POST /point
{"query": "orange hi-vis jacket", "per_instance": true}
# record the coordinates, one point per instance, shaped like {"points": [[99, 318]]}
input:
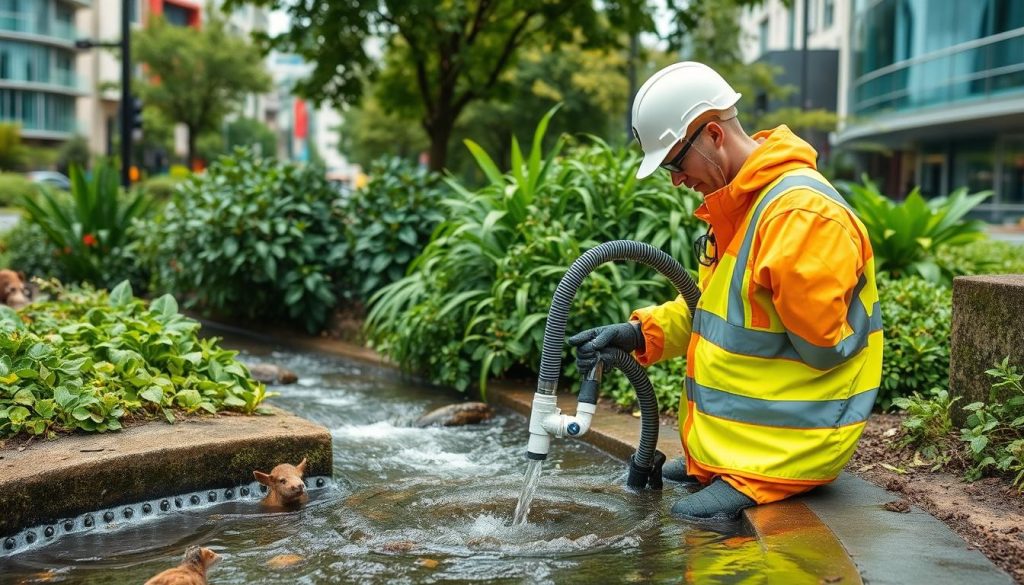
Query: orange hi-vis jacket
{"points": [[784, 351]]}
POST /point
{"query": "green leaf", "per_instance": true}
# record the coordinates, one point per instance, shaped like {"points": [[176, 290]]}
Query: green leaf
{"points": [[153, 394], [121, 295], [166, 305], [978, 444]]}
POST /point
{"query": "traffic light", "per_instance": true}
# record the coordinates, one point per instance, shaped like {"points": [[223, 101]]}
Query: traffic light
{"points": [[136, 114]]}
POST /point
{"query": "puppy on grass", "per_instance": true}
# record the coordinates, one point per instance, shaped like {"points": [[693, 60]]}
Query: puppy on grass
{"points": [[191, 571], [285, 488]]}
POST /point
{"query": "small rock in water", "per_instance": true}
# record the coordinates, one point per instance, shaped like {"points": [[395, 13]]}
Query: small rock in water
{"points": [[398, 546], [453, 415], [271, 374], [428, 563], [281, 561]]}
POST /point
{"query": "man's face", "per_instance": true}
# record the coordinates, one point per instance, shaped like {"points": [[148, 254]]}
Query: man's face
{"points": [[696, 162]]}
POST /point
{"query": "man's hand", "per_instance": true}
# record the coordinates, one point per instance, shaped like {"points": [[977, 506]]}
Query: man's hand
{"points": [[590, 343]]}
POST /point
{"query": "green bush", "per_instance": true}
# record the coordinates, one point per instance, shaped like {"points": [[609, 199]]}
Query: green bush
{"points": [[88, 228], [928, 425], [252, 237], [390, 222], [986, 256], [917, 316], [159, 188], [905, 235], [27, 249], [474, 302], [995, 430], [13, 187], [88, 360]]}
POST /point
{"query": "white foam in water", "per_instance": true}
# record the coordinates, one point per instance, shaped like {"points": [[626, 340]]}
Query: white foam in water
{"points": [[384, 430]]}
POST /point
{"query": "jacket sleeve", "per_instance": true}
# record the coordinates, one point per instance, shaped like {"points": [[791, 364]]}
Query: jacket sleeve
{"points": [[810, 259], [666, 330]]}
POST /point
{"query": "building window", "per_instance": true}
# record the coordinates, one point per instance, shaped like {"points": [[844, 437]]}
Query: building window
{"points": [[176, 15], [812, 15], [828, 14], [791, 39], [762, 39]]}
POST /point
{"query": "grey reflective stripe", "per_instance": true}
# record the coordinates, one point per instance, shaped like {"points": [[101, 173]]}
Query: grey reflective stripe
{"points": [[771, 345], [795, 414]]}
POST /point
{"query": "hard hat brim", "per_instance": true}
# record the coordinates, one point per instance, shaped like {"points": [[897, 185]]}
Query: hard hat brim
{"points": [[652, 161]]}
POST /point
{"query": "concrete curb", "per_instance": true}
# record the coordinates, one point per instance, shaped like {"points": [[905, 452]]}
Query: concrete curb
{"points": [[48, 481]]}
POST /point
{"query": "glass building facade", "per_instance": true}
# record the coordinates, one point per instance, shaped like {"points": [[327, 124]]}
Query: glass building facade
{"points": [[941, 83], [38, 85]]}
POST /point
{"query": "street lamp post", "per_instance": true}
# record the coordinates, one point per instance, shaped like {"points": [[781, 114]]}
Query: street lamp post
{"points": [[126, 88]]}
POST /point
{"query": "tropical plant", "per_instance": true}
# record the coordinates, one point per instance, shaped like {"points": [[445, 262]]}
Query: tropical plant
{"points": [[918, 316], [89, 227], [481, 289], [389, 223], [905, 235], [89, 361], [252, 237], [159, 188], [995, 430]]}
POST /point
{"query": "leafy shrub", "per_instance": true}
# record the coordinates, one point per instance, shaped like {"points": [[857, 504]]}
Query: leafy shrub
{"points": [[928, 425], [12, 152], [390, 222], [995, 430], [474, 302], [13, 187], [87, 228], [917, 316], [982, 257], [904, 235], [27, 249], [159, 188], [90, 360], [252, 237]]}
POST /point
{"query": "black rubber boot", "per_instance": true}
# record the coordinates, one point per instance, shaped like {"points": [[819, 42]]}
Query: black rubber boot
{"points": [[715, 504], [675, 470]]}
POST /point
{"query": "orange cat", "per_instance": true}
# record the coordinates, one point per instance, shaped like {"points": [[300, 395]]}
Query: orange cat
{"points": [[191, 571]]}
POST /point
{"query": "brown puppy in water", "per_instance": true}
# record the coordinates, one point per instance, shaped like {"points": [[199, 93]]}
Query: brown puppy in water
{"points": [[191, 571], [285, 486], [13, 291]]}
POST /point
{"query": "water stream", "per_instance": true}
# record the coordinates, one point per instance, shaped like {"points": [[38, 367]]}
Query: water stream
{"points": [[412, 505], [530, 481]]}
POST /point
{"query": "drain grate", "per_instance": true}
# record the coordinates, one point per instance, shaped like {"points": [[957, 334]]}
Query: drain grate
{"points": [[118, 517]]}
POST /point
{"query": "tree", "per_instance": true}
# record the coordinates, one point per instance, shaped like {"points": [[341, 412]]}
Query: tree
{"points": [[457, 50], [252, 133], [12, 152], [196, 77]]}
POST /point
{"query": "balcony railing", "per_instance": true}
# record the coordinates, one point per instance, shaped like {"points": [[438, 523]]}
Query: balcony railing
{"points": [[24, 23], [984, 68]]}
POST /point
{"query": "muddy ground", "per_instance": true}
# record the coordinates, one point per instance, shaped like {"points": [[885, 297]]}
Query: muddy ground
{"points": [[988, 514]]}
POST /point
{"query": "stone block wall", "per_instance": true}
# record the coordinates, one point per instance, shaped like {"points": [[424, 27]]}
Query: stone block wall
{"points": [[988, 325]]}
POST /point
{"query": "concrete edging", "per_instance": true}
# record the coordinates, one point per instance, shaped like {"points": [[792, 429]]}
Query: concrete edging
{"points": [[49, 481]]}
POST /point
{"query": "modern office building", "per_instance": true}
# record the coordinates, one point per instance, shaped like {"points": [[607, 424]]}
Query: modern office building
{"points": [[940, 85], [39, 84], [930, 93]]}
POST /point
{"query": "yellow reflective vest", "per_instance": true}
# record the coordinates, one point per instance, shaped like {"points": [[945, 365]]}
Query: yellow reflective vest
{"points": [[769, 406]]}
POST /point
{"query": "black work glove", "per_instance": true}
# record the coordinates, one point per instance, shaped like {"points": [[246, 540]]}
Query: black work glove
{"points": [[590, 343]]}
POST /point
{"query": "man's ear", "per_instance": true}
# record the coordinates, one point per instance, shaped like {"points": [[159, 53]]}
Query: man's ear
{"points": [[302, 466], [261, 477]]}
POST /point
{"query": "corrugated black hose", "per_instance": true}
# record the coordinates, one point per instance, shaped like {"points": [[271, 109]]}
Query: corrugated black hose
{"points": [[645, 465]]}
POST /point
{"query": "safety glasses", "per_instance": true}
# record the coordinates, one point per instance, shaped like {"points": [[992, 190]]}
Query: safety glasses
{"points": [[676, 164]]}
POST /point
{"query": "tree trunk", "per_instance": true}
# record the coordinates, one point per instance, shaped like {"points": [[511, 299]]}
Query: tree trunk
{"points": [[439, 130], [191, 148]]}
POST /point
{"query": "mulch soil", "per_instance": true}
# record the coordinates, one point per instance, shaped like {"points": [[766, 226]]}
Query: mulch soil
{"points": [[988, 513]]}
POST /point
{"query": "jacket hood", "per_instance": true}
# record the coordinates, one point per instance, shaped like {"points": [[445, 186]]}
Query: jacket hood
{"points": [[780, 151]]}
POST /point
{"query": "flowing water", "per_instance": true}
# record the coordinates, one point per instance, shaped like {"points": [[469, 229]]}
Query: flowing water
{"points": [[530, 481], [412, 505]]}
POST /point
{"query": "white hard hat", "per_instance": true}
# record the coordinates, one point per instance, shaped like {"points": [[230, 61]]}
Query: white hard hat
{"points": [[669, 102]]}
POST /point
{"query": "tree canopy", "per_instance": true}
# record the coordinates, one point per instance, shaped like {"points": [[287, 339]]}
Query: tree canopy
{"points": [[196, 77]]}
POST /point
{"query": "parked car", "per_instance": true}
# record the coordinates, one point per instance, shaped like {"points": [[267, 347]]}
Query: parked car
{"points": [[50, 179]]}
